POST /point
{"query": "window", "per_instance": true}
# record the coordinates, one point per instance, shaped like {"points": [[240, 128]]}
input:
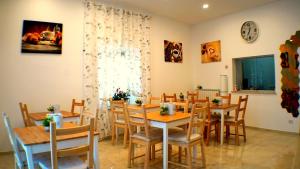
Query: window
{"points": [[254, 73], [119, 67]]}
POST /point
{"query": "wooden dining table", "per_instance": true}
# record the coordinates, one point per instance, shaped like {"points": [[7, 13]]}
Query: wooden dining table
{"points": [[138, 108], [222, 109], [35, 140], [38, 117], [164, 122]]}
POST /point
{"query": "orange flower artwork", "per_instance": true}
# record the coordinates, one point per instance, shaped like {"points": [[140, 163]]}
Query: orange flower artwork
{"points": [[211, 52]]}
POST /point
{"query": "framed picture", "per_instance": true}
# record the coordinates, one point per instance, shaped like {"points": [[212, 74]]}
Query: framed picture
{"points": [[173, 51], [211, 52], [41, 37]]}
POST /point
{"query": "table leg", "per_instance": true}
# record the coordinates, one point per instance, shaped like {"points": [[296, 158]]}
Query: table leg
{"points": [[30, 164], [165, 147], [96, 153], [222, 127]]}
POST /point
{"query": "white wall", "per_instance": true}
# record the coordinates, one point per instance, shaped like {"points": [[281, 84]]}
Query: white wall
{"points": [[166, 76], [277, 22], [43, 79], [39, 79]]}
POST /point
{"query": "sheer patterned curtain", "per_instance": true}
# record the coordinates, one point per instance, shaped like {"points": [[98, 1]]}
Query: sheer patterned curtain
{"points": [[116, 55]]}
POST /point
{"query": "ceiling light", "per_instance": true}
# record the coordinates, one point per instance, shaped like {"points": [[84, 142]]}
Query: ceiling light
{"points": [[205, 6]]}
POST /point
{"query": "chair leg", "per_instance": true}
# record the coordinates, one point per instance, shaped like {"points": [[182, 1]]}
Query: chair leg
{"points": [[237, 142], [113, 134], [129, 154], [203, 153], [125, 136], [244, 131], [189, 157], [169, 152], [147, 153], [153, 152], [179, 153], [227, 133], [208, 134], [216, 132]]}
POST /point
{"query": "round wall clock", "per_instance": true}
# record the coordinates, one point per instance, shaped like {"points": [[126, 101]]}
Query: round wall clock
{"points": [[249, 31]]}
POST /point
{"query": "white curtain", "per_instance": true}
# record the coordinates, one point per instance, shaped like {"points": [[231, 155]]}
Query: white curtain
{"points": [[116, 55]]}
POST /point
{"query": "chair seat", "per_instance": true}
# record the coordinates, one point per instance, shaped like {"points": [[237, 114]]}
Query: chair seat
{"points": [[182, 137], [63, 163], [155, 134]]}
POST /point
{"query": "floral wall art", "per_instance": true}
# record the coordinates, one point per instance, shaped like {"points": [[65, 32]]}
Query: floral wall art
{"points": [[173, 51], [211, 52]]}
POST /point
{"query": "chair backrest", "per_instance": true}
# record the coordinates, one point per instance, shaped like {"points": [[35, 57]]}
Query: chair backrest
{"points": [[184, 105], [204, 103], [86, 116], [197, 120], [117, 108], [192, 96], [88, 148], [169, 98], [241, 109], [153, 99], [227, 98], [77, 104], [12, 140], [133, 124], [25, 115]]}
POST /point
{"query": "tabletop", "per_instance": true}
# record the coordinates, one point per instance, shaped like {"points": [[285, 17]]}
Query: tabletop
{"points": [[147, 106], [155, 116], [38, 135], [41, 115]]}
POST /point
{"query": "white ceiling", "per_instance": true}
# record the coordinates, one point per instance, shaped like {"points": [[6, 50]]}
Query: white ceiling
{"points": [[190, 11]]}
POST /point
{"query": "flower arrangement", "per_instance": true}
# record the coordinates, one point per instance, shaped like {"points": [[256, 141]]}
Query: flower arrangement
{"points": [[164, 110], [181, 96], [119, 94], [199, 87], [51, 108], [216, 101], [46, 122], [139, 102]]}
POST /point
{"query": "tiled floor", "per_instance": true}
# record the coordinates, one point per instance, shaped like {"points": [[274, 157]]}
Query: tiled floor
{"points": [[263, 150]]}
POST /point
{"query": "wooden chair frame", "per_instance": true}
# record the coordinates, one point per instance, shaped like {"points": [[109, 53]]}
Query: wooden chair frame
{"points": [[147, 141], [192, 96], [117, 108], [25, 114], [169, 98], [77, 104], [55, 153], [197, 120], [89, 115], [239, 112]]}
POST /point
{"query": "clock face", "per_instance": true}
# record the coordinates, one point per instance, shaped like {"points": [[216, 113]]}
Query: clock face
{"points": [[249, 31]]}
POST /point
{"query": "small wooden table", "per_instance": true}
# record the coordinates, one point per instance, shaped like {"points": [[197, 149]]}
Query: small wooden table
{"points": [[222, 109], [165, 122], [38, 118], [36, 140]]}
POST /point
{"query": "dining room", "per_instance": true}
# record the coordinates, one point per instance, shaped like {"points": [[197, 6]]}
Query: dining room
{"points": [[117, 84]]}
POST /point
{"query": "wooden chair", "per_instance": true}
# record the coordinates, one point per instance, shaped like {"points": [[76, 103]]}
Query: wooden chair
{"points": [[210, 121], [182, 106], [169, 98], [117, 108], [86, 116], [227, 98], [77, 104], [25, 114], [147, 137], [237, 120], [192, 96], [191, 137], [68, 158], [20, 159], [153, 100]]}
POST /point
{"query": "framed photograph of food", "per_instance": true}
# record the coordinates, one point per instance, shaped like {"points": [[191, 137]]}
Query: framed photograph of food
{"points": [[211, 52], [41, 37], [173, 51]]}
